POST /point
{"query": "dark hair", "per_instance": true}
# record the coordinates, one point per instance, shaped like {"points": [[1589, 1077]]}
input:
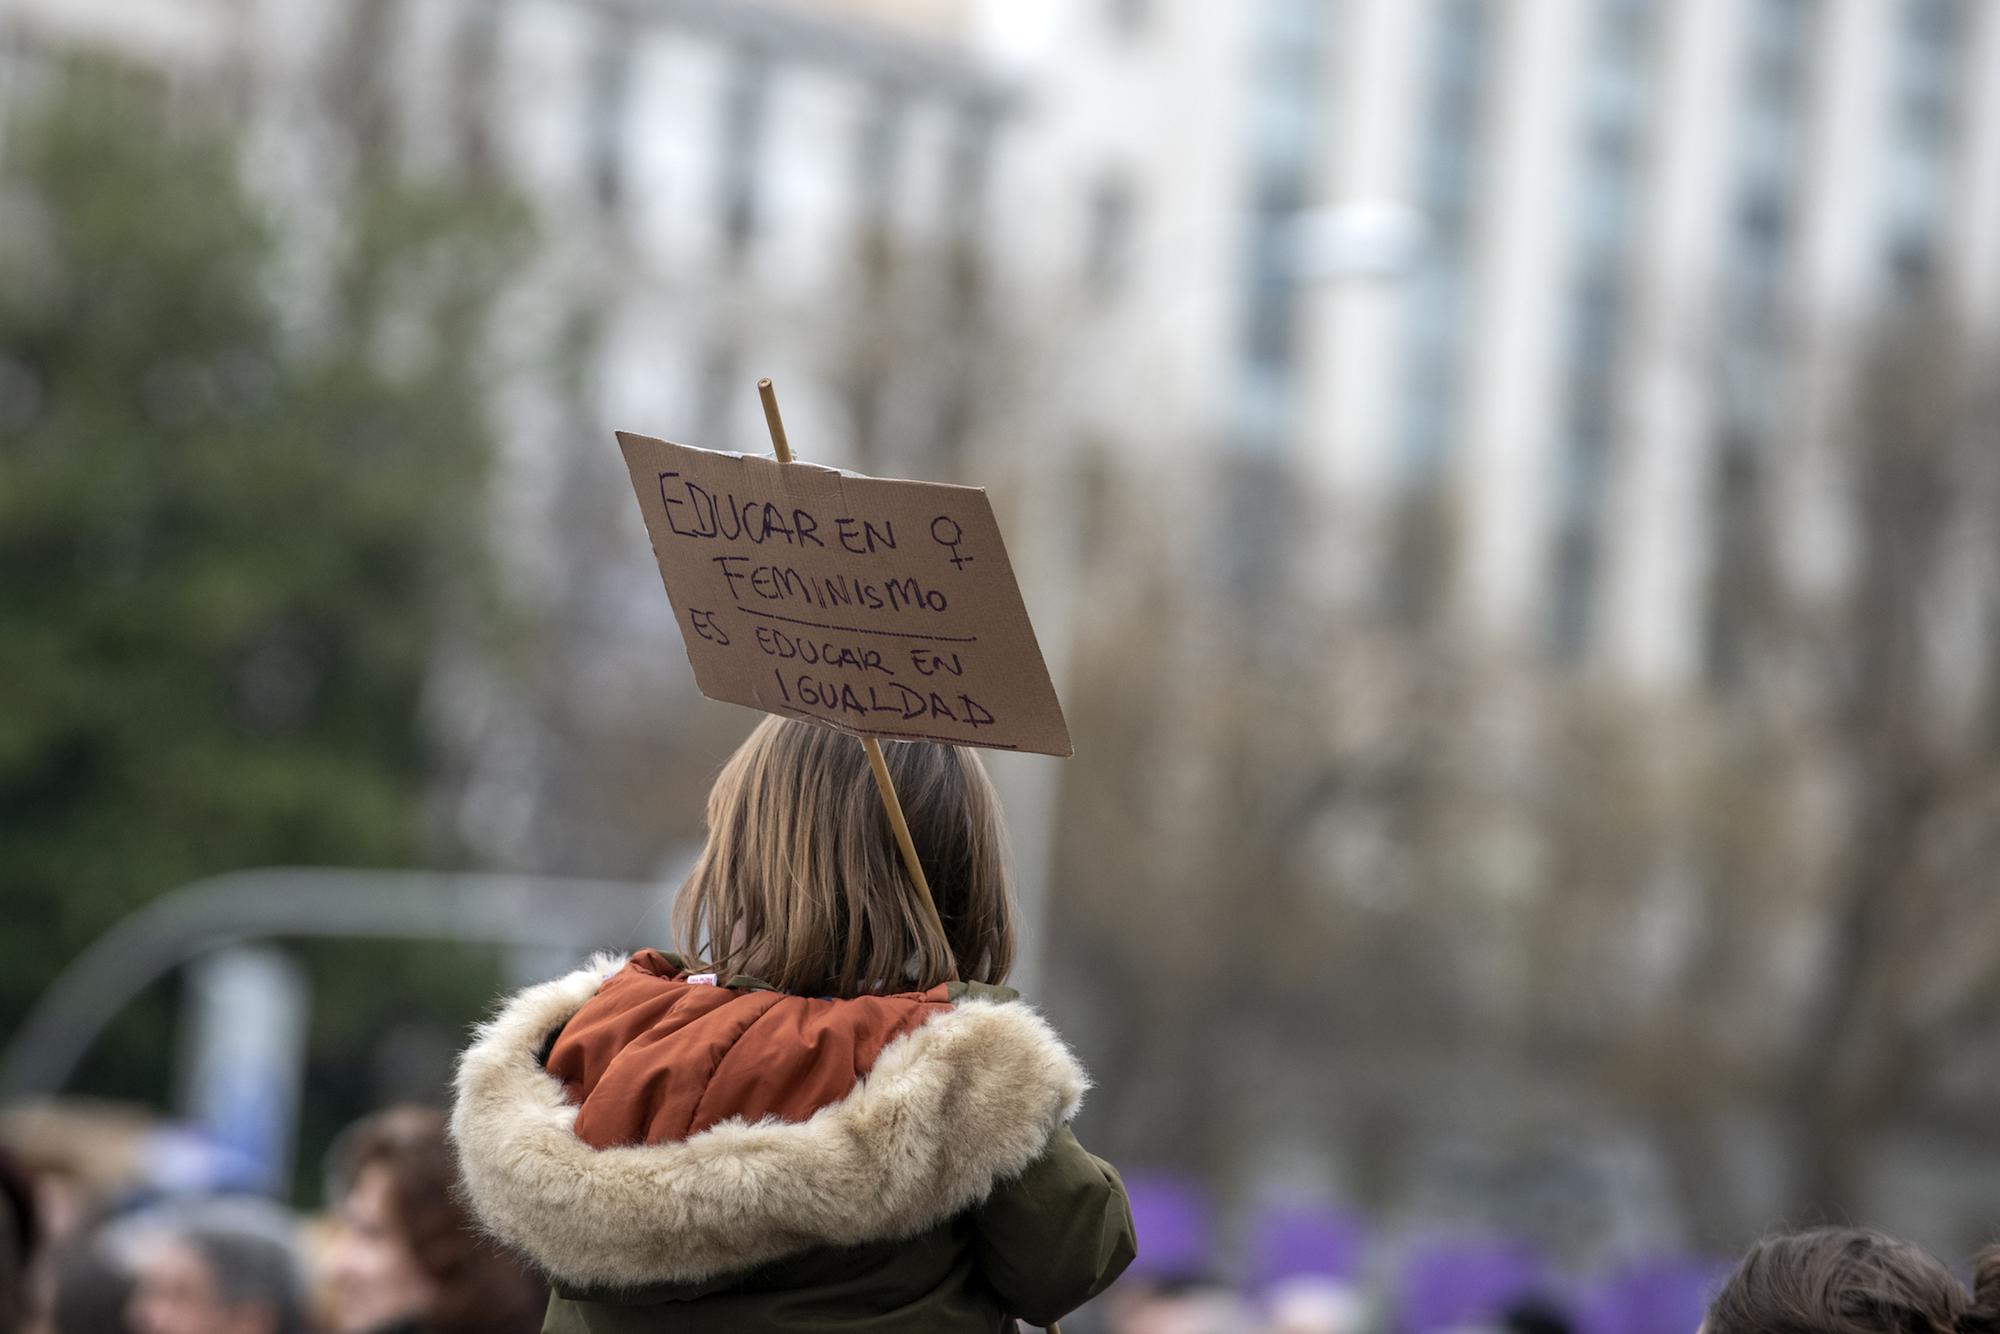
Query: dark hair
{"points": [[92, 1289], [18, 1239], [17, 1192], [1853, 1281], [249, 1269], [482, 1289], [1535, 1315]]}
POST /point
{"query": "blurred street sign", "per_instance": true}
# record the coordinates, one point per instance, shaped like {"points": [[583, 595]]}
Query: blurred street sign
{"points": [[244, 1055]]}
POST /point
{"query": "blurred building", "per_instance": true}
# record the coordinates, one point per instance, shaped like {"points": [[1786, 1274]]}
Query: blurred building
{"points": [[1524, 288], [1528, 288], [721, 191], [719, 185]]}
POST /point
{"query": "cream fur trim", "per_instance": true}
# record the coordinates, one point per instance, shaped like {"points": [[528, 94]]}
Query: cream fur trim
{"points": [[966, 1100]]}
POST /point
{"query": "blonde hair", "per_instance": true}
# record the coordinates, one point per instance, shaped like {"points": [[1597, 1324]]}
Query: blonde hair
{"points": [[801, 885]]}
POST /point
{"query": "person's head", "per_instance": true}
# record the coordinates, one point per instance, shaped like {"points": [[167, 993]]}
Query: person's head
{"points": [[206, 1278], [1314, 1304], [1534, 1315], [93, 1290], [1181, 1308], [1852, 1281], [801, 883], [405, 1249], [19, 1237]]}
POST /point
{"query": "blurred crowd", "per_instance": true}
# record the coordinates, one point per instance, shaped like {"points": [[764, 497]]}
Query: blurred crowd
{"points": [[1305, 1268], [104, 1232], [109, 1228], [92, 1248]]}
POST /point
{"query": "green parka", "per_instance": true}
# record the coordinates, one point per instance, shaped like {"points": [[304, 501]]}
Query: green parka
{"points": [[723, 1159]]}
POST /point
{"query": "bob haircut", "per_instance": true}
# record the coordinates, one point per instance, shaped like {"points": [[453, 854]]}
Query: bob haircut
{"points": [[801, 884]]}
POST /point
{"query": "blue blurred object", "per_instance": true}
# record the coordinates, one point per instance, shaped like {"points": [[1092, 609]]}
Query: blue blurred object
{"points": [[182, 1160], [1447, 1283], [246, 1017], [1661, 1295], [1172, 1216], [1299, 1240]]}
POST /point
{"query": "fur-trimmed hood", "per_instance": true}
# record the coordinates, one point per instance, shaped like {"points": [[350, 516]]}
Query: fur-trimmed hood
{"points": [[969, 1098]]}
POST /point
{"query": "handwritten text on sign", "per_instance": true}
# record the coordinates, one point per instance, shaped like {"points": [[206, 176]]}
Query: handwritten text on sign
{"points": [[884, 608]]}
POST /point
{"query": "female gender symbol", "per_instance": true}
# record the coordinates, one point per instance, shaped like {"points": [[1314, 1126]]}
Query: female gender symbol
{"points": [[957, 536]]}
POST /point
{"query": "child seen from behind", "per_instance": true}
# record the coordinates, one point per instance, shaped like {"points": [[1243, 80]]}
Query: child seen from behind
{"points": [[809, 1121]]}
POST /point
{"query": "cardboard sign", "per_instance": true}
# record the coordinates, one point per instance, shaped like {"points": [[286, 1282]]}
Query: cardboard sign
{"points": [[883, 608]]}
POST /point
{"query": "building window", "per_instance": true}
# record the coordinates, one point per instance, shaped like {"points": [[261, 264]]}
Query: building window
{"points": [[610, 100], [1128, 18], [1285, 111], [1769, 146], [745, 108], [878, 153], [1449, 176], [1108, 233], [474, 57], [1928, 87], [716, 395], [1576, 578], [971, 170], [1617, 124], [878, 169], [1736, 492]]}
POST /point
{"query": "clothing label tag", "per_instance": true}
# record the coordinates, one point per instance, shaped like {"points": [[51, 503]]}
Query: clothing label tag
{"points": [[701, 979]]}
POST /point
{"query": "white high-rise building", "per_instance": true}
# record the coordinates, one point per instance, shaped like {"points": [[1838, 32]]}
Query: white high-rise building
{"points": [[1533, 282], [704, 171], [721, 191], [1548, 274]]}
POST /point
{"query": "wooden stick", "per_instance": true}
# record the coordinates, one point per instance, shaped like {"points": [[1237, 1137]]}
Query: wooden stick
{"points": [[773, 420], [887, 787], [884, 784]]}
